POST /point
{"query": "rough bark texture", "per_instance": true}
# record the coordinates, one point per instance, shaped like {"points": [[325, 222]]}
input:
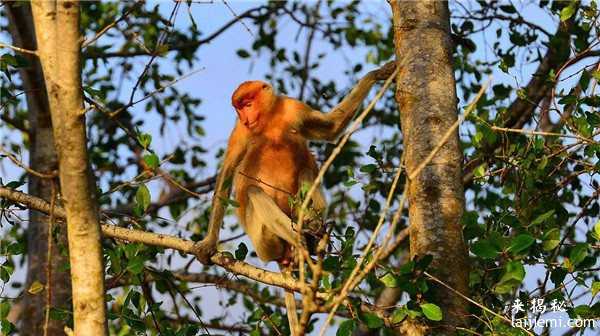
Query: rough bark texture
{"points": [[59, 47], [426, 97], [42, 158]]}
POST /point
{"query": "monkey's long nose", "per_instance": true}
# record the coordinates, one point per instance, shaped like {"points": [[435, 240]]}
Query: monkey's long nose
{"points": [[250, 123]]}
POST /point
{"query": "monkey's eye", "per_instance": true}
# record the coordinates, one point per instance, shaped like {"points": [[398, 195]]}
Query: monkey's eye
{"points": [[248, 105], [265, 86]]}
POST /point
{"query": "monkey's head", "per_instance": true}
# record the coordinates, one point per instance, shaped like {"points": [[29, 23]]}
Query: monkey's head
{"points": [[253, 101]]}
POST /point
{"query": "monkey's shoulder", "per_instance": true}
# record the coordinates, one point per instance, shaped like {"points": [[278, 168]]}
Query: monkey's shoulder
{"points": [[293, 109]]}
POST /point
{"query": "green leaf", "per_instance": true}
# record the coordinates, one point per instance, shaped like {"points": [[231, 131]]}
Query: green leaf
{"points": [[389, 280], [513, 276], [578, 253], [595, 287], [372, 321], [162, 49], [432, 311], [135, 265], [94, 92], [596, 232], [7, 328], [59, 314], [151, 160], [346, 328], [4, 309], [399, 315], [6, 270], [582, 312], [35, 288], [543, 217], [229, 202], [350, 183], [521, 243], [241, 252], [242, 53], [369, 168], [142, 197], [145, 139], [551, 239], [484, 249], [510, 9], [567, 12], [481, 170]]}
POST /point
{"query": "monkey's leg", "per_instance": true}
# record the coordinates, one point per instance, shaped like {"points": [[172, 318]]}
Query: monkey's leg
{"points": [[263, 209]]}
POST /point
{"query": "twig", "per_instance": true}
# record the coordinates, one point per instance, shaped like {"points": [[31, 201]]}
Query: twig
{"points": [[464, 297], [159, 90], [351, 284], [21, 50], [159, 43], [49, 260], [109, 26], [336, 151], [238, 18], [531, 132], [450, 131], [17, 162], [264, 183]]}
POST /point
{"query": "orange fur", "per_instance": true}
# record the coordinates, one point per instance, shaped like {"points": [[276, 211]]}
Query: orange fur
{"points": [[268, 159]]}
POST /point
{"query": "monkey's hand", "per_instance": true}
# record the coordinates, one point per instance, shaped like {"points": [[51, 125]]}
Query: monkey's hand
{"points": [[205, 249], [385, 71]]}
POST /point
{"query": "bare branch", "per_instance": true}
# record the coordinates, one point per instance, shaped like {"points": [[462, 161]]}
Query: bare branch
{"points": [[18, 162], [110, 25], [21, 50]]}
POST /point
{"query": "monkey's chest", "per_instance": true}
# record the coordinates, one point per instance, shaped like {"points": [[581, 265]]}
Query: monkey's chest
{"points": [[275, 168]]}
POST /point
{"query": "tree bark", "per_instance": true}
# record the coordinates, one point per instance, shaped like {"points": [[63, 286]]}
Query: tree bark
{"points": [[59, 41], [42, 158], [426, 96]]}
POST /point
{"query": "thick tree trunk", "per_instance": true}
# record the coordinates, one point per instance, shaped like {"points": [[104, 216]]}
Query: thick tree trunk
{"points": [[59, 41], [42, 158], [426, 97]]}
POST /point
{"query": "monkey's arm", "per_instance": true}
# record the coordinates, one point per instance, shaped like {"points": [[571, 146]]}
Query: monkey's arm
{"points": [[316, 125], [236, 148]]}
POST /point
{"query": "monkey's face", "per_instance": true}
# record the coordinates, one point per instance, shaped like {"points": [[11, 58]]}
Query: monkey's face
{"points": [[253, 102]]}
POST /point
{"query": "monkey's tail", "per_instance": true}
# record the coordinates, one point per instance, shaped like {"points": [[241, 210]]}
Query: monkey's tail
{"points": [[290, 303]]}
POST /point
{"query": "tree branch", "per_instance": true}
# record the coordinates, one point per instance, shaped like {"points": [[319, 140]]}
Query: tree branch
{"points": [[520, 110], [172, 196], [17, 124], [167, 241], [95, 54]]}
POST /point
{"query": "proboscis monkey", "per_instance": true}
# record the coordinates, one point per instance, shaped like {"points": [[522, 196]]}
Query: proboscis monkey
{"points": [[268, 160]]}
